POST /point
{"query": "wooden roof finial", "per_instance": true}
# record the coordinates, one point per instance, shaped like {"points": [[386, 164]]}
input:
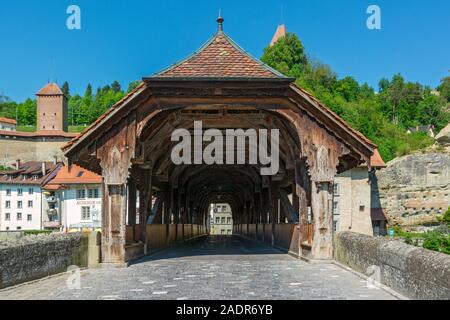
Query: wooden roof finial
{"points": [[220, 21]]}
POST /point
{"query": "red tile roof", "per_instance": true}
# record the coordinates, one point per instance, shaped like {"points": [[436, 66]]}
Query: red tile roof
{"points": [[376, 161], [76, 175], [32, 171], [50, 89], [7, 120], [220, 57]]}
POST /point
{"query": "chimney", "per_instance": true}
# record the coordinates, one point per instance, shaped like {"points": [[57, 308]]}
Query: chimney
{"points": [[17, 164], [43, 169]]}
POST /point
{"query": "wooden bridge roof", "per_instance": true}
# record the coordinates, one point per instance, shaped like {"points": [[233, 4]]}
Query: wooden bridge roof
{"points": [[220, 59]]}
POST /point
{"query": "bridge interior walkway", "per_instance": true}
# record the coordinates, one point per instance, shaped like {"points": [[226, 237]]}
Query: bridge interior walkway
{"points": [[212, 267]]}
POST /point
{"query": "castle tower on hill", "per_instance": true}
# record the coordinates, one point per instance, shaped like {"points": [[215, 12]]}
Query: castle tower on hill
{"points": [[51, 113]]}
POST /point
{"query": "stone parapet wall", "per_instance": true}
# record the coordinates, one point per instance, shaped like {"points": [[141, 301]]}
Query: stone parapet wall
{"points": [[34, 257], [414, 272]]}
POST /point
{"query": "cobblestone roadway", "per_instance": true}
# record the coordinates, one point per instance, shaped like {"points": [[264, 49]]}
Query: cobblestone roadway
{"points": [[214, 268]]}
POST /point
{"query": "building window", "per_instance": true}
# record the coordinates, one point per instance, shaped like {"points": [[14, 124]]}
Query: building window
{"points": [[85, 213], [29, 217], [224, 208], [31, 190], [8, 192], [30, 204], [222, 231], [20, 192], [19, 216], [336, 189], [228, 232], [217, 220], [7, 216], [7, 228], [19, 205], [223, 220], [361, 208], [93, 193], [8, 204], [228, 220], [19, 228], [81, 194]]}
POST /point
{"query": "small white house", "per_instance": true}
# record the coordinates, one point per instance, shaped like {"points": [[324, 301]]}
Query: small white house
{"points": [[21, 195], [73, 200], [7, 124]]}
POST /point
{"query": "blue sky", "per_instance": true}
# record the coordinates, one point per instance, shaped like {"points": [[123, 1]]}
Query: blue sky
{"points": [[125, 40]]}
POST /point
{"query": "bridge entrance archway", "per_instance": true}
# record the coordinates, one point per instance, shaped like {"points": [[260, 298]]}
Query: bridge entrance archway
{"points": [[223, 88]]}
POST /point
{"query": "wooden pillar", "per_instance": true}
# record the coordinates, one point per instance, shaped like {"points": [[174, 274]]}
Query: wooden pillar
{"points": [[321, 197], [132, 198], [274, 196], [114, 210], [301, 192], [145, 203]]}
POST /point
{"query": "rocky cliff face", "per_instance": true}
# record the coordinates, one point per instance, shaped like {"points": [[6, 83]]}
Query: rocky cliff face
{"points": [[415, 189]]}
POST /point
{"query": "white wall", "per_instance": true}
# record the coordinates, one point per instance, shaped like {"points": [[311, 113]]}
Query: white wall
{"points": [[7, 126], [35, 211], [353, 201], [71, 207]]}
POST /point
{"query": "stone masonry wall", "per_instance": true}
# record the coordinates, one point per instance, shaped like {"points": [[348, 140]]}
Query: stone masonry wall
{"points": [[33, 257], [414, 272], [415, 189], [12, 150]]}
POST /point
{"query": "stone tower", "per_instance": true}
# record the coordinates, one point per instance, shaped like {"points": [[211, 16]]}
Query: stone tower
{"points": [[51, 111]]}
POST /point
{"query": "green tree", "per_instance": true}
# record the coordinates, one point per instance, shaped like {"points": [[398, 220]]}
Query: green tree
{"points": [[26, 113], [287, 55], [115, 87], [65, 89], [133, 85], [444, 88]]}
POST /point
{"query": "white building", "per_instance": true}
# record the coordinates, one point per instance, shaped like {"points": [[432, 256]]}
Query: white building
{"points": [[7, 124], [21, 195], [73, 200], [355, 205]]}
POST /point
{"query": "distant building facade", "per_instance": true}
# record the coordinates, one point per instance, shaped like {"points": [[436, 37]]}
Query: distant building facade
{"points": [[7, 124], [221, 219], [21, 195], [51, 113], [73, 200], [356, 206]]}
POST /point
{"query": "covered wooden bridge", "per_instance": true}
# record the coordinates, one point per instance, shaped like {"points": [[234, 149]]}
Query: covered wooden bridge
{"points": [[224, 87]]}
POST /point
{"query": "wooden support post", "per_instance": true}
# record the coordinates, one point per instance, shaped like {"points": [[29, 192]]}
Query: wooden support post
{"points": [[322, 246], [114, 211], [132, 205]]}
